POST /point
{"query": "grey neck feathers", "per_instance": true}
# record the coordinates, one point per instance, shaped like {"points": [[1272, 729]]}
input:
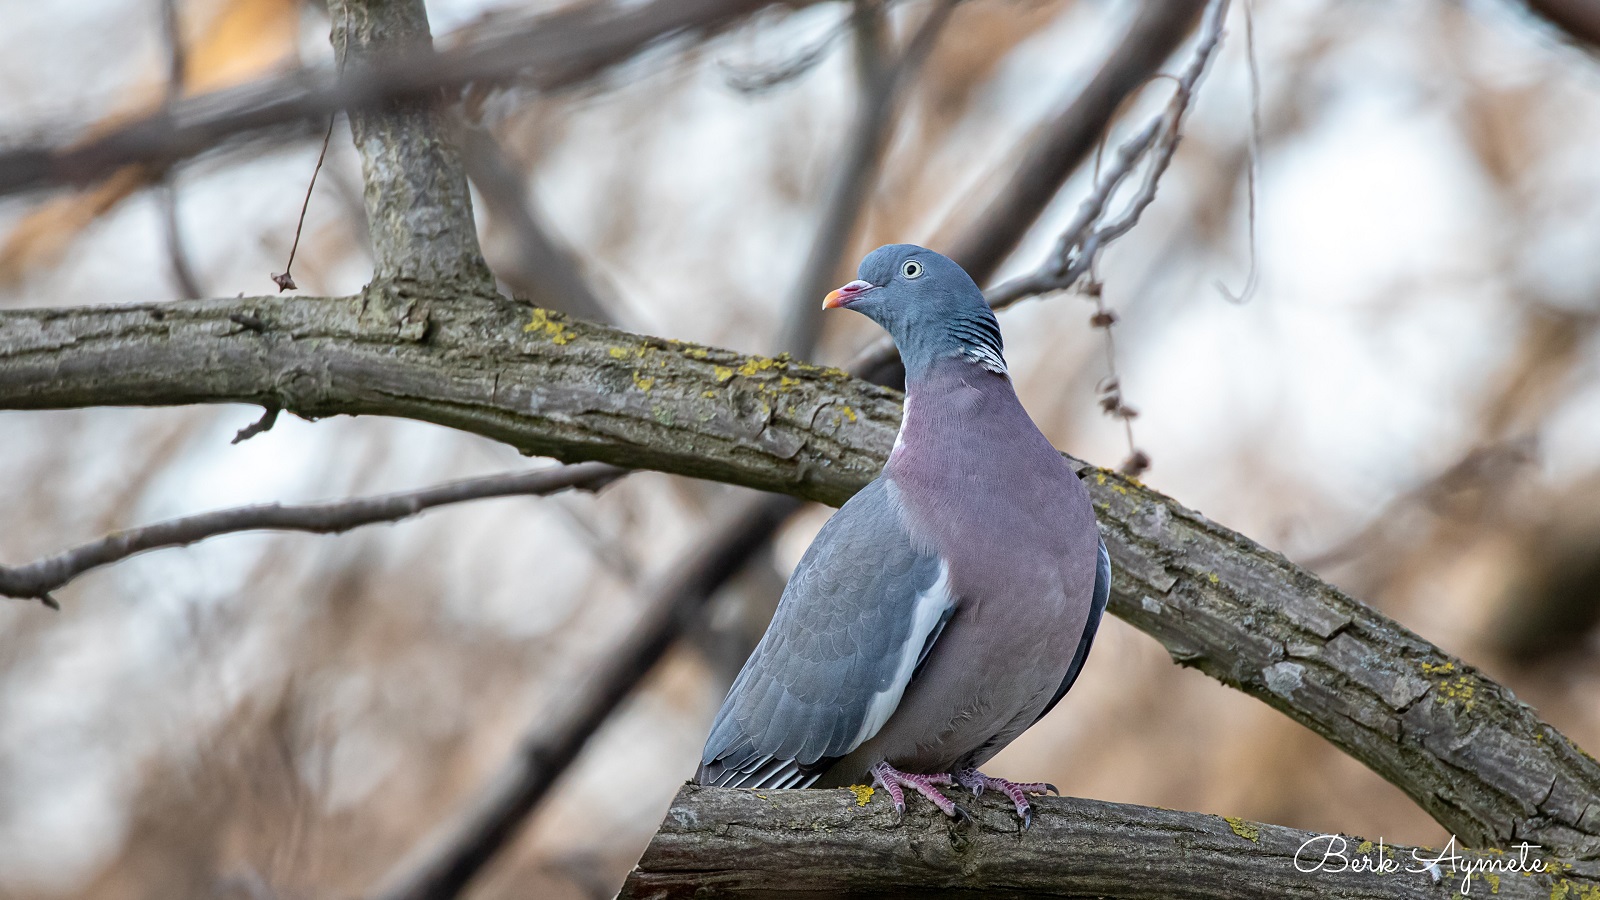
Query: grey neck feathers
{"points": [[972, 338], [978, 338]]}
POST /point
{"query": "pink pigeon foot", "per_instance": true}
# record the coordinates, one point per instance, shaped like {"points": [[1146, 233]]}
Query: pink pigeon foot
{"points": [[976, 782], [893, 780]]}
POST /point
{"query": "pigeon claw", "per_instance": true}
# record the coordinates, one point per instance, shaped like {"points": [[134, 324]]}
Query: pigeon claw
{"points": [[1017, 792], [894, 782]]}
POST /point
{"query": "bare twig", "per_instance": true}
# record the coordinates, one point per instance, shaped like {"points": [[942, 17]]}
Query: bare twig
{"points": [[1580, 19], [547, 50], [1068, 139], [760, 79], [450, 859], [1089, 233], [285, 279], [38, 579], [1252, 171], [177, 49], [881, 82], [269, 418], [172, 232], [1112, 401]]}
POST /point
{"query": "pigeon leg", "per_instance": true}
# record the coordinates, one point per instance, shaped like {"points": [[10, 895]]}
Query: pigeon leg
{"points": [[976, 782], [893, 780]]}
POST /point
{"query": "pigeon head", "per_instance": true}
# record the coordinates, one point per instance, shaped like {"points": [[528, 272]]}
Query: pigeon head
{"points": [[928, 304]]}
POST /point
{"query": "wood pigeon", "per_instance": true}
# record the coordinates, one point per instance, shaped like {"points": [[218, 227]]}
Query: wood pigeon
{"points": [[947, 606]]}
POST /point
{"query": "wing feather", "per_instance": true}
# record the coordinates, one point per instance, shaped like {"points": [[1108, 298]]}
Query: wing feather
{"points": [[858, 618]]}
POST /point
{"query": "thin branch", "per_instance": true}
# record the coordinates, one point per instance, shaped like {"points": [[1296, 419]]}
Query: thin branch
{"points": [[177, 50], [285, 279], [39, 579], [833, 843], [1089, 233], [1068, 139], [1580, 19], [450, 859], [759, 79], [172, 232], [1252, 171], [547, 50], [269, 418], [167, 197]]}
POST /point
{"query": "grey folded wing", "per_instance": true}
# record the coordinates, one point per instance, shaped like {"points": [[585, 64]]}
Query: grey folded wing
{"points": [[859, 616]]}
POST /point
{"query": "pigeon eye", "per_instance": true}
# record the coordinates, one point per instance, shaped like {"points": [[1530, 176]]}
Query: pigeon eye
{"points": [[911, 269]]}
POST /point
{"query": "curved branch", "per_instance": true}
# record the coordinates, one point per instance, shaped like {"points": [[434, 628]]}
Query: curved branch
{"points": [[38, 579], [1479, 761], [835, 844]]}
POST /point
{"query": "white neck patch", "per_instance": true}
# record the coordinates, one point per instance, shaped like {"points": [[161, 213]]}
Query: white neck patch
{"points": [[986, 357]]}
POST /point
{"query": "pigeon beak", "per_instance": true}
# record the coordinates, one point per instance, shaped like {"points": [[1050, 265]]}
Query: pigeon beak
{"points": [[844, 295]]}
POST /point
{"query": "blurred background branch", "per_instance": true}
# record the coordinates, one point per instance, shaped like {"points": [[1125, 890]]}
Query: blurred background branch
{"points": [[39, 579]]}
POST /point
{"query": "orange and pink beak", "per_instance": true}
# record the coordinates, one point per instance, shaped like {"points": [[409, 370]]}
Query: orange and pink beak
{"points": [[844, 295]]}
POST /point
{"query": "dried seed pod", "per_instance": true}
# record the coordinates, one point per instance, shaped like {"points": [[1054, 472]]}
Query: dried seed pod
{"points": [[1136, 464]]}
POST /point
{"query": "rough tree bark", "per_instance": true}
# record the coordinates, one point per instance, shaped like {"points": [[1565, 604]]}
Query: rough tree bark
{"points": [[729, 843], [1469, 752], [419, 212]]}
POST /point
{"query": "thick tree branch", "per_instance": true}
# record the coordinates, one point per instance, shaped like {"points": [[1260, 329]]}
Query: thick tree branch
{"points": [[1478, 760], [39, 579], [546, 384], [459, 850], [732, 843], [547, 51], [419, 212]]}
